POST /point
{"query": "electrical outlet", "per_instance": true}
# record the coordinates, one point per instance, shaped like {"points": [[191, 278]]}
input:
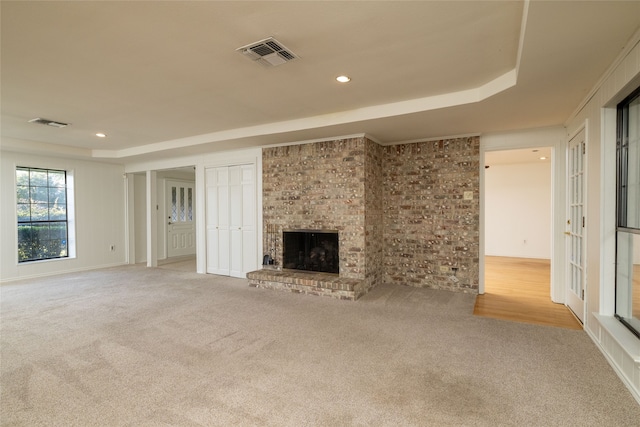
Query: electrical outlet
{"points": [[468, 195]]}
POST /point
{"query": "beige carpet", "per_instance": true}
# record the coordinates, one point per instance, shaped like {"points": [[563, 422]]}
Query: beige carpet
{"points": [[137, 346], [185, 264]]}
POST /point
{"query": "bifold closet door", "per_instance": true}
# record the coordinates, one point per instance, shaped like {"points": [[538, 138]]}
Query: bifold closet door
{"points": [[231, 220], [217, 216]]}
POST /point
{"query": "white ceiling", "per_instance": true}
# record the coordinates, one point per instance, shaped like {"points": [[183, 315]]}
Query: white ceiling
{"points": [[163, 78]]}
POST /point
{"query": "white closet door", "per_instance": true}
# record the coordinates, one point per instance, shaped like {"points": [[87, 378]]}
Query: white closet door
{"points": [[231, 220], [217, 213]]}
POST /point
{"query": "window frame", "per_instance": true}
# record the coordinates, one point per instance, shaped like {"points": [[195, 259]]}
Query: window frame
{"points": [[67, 221], [622, 185]]}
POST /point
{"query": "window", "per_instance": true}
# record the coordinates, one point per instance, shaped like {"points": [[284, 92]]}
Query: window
{"points": [[628, 213], [42, 214]]}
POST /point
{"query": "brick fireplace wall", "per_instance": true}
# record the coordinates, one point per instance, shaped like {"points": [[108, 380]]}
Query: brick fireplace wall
{"points": [[400, 210], [431, 232], [323, 186]]}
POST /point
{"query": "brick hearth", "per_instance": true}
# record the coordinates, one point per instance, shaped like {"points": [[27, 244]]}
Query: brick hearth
{"points": [[313, 283]]}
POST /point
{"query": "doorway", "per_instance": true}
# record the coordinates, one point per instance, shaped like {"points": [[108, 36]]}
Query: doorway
{"points": [[169, 243], [518, 231]]}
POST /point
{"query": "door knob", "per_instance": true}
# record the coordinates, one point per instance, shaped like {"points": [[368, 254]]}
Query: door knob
{"points": [[568, 233]]}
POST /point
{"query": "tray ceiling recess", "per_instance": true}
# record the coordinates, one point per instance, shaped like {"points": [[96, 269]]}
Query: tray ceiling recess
{"points": [[268, 52]]}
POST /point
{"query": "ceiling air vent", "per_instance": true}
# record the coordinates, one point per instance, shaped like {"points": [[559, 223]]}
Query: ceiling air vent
{"points": [[268, 52], [48, 122]]}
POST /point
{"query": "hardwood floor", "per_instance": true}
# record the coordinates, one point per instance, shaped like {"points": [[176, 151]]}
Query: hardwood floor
{"points": [[517, 289]]}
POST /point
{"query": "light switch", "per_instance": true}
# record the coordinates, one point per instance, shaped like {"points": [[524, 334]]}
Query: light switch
{"points": [[468, 195]]}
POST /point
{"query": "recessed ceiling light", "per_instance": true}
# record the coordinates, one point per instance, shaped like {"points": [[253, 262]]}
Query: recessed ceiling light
{"points": [[101, 135], [543, 158], [343, 79]]}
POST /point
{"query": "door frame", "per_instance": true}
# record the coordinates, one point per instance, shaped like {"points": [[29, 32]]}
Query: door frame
{"points": [[556, 138]]}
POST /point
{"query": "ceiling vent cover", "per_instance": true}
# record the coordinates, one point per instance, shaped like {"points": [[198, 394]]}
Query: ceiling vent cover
{"points": [[268, 52], [48, 122]]}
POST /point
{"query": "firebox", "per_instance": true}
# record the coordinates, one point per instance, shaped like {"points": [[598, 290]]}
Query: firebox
{"points": [[311, 250]]}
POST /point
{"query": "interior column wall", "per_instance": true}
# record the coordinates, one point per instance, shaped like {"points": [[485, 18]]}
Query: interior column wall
{"points": [[140, 217]]}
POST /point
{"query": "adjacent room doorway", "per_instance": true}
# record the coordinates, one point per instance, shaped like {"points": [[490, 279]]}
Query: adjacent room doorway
{"points": [[518, 237]]}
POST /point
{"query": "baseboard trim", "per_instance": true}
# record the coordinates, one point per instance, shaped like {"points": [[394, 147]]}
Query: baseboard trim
{"points": [[57, 273]]}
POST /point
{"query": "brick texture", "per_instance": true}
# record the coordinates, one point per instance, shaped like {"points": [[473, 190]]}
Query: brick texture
{"points": [[321, 186], [399, 210], [431, 233]]}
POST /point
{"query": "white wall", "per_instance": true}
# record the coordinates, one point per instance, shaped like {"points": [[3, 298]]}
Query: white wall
{"points": [[598, 116], [99, 216], [518, 210]]}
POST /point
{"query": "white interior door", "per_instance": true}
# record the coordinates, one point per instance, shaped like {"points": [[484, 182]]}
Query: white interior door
{"points": [[576, 267], [181, 230]]}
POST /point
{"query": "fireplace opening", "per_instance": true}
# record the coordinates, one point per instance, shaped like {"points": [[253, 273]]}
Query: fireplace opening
{"points": [[311, 250]]}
